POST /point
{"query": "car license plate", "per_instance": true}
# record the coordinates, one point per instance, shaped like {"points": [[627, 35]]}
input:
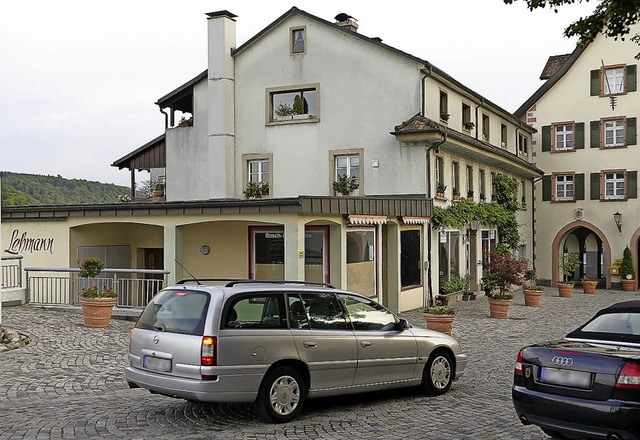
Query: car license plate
{"points": [[158, 364], [576, 379]]}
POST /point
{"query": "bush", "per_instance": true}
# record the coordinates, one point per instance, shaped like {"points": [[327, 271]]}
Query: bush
{"points": [[91, 267], [626, 268], [501, 272]]}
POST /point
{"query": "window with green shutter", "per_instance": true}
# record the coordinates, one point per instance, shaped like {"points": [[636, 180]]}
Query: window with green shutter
{"points": [[632, 184], [594, 134], [631, 78], [578, 142], [546, 188], [595, 82], [546, 138], [579, 186], [631, 131], [595, 186]]}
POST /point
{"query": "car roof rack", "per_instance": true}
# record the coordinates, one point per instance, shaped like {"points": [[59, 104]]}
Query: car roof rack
{"points": [[305, 283], [198, 280]]}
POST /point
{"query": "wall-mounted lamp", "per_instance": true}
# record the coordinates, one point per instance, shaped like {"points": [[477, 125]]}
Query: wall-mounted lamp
{"points": [[617, 217], [474, 226]]}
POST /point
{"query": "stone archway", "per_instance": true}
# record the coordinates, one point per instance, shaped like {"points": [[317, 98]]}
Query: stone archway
{"points": [[635, 252], [562, 235]]}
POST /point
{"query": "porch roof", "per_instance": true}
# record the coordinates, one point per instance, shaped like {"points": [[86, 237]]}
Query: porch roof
{"points": [[392, 206], [150, 155]]}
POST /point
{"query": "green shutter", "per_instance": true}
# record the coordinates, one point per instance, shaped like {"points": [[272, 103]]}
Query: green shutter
{"points": [[546, 138], [595, 186], [631, 131], [546, 188], [579, 189], [632, 184], [579, 137], [631, 78], [595, 134], [595, 82]]}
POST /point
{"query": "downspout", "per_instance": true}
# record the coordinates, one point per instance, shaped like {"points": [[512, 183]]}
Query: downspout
{"points": [[477, 107], [423, 94], [166, 117], [435, 146], [533, 220]]}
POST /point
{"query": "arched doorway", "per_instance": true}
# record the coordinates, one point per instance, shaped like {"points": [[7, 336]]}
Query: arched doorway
{"points": [[592, 248]]}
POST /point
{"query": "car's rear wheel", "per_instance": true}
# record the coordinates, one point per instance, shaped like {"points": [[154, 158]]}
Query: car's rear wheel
{"points": [[281, 395], [438, 373]]}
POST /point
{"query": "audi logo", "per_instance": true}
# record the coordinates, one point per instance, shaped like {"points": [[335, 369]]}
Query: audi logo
{"points": [[562, 361]]}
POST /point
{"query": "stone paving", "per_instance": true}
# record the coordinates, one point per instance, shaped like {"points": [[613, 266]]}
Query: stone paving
{"points": [[68, 383]]}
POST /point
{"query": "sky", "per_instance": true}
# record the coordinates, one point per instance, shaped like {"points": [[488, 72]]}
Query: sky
{"points": [[79, 78]]}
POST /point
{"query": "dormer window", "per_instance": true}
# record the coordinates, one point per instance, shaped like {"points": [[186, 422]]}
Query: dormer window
{"points": [[298, 39]]}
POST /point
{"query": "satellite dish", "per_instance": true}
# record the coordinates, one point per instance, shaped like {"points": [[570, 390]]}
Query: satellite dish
{"points": [[343, 17]]}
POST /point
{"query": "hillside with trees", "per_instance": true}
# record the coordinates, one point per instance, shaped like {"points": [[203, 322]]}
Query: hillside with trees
{"points": [[33, 189]]}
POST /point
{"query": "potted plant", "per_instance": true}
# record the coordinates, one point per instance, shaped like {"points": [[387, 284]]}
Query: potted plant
{"points": [[454, 288], [158, 189], [444, 116], [468, 125], [456, 194], [501, 272], [255, 190], [532, 291], [627, 272], [440, 317], [97, 303], [344, 184], [569, 262], [482, 198], [440, 189], [470, 194], [589, 285]]}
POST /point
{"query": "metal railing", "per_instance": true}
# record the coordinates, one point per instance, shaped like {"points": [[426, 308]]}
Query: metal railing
{"points": [[11, 272], [135, 287]]}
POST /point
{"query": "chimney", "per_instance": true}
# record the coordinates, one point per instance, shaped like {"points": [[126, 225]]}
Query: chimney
{"points": [[221, 27], [347, 21]]}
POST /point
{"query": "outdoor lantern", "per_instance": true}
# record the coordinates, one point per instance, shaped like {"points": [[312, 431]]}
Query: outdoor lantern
{"points": [[474, 225], [617, 217]]}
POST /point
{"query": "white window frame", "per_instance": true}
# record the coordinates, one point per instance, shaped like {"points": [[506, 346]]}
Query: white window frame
{"points": [[265, 177], [298, 46], [259, 175], [564, 185], [616, 129], [566, 133], [335, 155], [616, 181], [614, 80]]}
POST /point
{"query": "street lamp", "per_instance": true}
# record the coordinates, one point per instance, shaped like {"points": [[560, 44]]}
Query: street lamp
{"points": [[617, 217], [474, 225]]}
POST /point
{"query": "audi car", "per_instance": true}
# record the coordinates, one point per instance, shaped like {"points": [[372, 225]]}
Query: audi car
{"points": [[586, 385]]}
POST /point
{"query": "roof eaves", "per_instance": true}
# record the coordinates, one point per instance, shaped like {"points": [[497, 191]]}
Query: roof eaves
{"points": [[120, 162], [189, 84], [544, 88]]}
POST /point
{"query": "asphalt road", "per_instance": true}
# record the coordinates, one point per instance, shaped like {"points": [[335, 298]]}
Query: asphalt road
{"points": [[69, 384]]}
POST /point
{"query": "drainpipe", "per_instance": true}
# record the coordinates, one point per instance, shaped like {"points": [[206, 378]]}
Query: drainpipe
{"points": [[477, 107], [435, 146], [533, 220], [423, 98], [166, 118]]}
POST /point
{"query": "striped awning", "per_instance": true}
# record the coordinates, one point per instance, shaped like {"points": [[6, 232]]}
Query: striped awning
{"points": [[415, 220], [358, 219]]}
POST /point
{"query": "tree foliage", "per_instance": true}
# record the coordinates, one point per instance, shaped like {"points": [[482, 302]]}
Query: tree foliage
{"points": [[32, 189], [610, 17]]}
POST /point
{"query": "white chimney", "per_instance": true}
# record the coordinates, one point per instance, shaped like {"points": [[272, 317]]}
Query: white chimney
{"points": [[221, 84]]}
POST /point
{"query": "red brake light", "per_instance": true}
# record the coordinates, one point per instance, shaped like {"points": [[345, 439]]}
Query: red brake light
{"points": [[208, 351], [130, 333], [629, 376], [518, 367]]}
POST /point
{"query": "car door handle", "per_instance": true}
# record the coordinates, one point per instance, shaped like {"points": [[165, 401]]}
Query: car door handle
{"points": [[310, 344], [365, 344]]}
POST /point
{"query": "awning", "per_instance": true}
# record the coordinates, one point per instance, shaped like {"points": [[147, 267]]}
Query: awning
{"points": [[357, 219], [415, 220]]}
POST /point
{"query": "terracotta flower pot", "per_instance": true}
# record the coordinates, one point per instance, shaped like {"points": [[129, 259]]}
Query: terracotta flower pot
{"points": [[565, 290], [499, 308], [440, 323], [628, 285], [532, 297], [589, 286], [97, 311]]}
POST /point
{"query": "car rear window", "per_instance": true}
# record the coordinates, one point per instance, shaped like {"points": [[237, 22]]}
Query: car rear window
{"points": [[176, 311], [620, 323]]}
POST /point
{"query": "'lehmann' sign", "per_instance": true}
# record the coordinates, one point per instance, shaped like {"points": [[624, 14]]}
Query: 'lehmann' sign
{"points": [[20, 244]]}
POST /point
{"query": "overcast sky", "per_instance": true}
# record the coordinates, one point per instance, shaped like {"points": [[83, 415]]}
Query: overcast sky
{"points": [[78, 78]]}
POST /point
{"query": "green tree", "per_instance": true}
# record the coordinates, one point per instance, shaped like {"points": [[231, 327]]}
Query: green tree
{"points": [[612, 18]]}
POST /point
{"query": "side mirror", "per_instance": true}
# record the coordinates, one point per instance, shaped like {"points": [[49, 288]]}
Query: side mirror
{"points": [[403, 324]]}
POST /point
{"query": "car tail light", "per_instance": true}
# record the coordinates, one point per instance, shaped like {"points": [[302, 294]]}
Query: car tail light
{"points": [[629, 376], [130, 334], [518, 367], [208, 351]]}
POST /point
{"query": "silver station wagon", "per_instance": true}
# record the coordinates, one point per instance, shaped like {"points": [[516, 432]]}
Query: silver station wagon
{"points": [[278, 343]]}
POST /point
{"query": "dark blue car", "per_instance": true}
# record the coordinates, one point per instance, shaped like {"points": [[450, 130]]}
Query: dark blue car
{"points": [[588, 384]]}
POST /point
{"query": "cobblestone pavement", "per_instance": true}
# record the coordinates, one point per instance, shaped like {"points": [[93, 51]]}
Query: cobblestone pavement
{"points": [[69, 383]]}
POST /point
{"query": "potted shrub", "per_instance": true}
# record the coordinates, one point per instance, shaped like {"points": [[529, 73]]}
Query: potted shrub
{"points": [[532, 291], [444, 116], [440, 189], [627, 272], [589, 285], [440, 317], [456, 194], [344, 184], [454, 288], [482, 198], [470, 194], [158, 189], [568, 264], [97, 303], [255, 190], [501, 272], [468, 125]]}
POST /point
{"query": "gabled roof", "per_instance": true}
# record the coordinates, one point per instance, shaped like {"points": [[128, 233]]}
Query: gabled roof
{"points": [[544, 88]]}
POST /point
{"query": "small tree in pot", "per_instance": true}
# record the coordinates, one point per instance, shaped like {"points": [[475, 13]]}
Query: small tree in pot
{"points": [[627, 272], [501, 272], [532, 291], [568, 263], [97, 303]]}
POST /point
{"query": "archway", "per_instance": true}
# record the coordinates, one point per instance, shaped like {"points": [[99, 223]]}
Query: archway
{"points": [[592, 246]]}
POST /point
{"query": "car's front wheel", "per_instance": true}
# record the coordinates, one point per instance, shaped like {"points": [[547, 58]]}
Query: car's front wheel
{"points": [[281, 395], [438, 373]]}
